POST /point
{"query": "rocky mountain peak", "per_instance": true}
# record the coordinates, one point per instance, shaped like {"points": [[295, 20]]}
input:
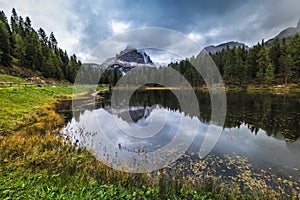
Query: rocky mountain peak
{"points": [[132, 55], [298, 25], [128, 59]]}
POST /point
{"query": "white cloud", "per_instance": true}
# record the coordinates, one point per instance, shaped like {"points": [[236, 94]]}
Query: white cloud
{"points": [[53, 16], [197, 37], [119, 27], [202, 37], [163, 58]]}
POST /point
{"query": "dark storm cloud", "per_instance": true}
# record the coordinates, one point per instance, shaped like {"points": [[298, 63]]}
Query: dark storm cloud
{"points": [[212, 22]]}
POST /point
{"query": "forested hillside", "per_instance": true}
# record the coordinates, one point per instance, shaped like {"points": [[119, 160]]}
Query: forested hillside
{"points": [[263, 64], [22, 45]]}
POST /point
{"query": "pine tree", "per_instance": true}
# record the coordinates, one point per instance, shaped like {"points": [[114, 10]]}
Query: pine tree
{"points": [[14, 20], [294, 50], [19, 50], [72, 68], [4, 45], [52, 41], [286, 63], [34, 50], [275, 53], [263, 62], [27, 23], [3, 18], [43, 36], [231, 65], [269, 76], [21, 27], [251, 63], [240, 65]]}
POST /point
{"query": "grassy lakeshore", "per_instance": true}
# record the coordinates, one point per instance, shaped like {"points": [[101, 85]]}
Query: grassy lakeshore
{"points": [[276, 89], [290, 88], [36, 163]]}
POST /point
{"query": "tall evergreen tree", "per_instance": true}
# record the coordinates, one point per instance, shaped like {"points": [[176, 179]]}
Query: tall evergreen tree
{"points": [[286, 63], [4, 45], [21, 27], [269, 76], [275, 53], [294, 50], [263, 62], [43, 36], [251, 63], [14, 20], [19, 50], [52, 41]]}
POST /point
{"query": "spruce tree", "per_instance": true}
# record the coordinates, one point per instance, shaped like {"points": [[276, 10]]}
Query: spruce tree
{"points": [[263, 62], [4, 45], [269, 76], [286, 63]]}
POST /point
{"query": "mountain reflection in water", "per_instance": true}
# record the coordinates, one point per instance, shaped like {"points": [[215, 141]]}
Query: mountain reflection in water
{"points": [[262, 127]]}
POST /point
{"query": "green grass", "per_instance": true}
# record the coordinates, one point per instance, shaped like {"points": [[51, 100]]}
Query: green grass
{"points": [[36, 163], [8, 78], [43, 185], [18, 103]]}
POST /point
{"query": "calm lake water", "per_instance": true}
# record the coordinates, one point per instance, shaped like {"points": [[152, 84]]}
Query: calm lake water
{"points": [[264, 128]]}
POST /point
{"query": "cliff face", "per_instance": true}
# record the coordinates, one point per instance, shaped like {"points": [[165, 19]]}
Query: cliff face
{"points": [[132, 55], [127, 60]]}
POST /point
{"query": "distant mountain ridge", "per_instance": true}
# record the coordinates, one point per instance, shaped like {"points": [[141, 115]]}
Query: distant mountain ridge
{"points": [[287, 33], [214, 49]]}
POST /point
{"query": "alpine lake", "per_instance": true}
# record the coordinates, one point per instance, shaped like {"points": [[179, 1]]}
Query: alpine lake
{"points": [[259, 142]]}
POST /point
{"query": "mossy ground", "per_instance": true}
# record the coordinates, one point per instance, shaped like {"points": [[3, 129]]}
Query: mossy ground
{"points": [[36, 163]]}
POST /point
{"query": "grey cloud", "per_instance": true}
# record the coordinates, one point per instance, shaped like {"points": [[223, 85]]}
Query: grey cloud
{"points": [[145, 38], [247, 21]]}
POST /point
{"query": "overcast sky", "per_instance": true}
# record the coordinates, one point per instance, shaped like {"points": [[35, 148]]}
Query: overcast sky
{"points": [[80, 25]]}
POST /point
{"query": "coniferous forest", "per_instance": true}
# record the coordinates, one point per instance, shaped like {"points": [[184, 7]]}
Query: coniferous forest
{"points": [[267, 63], [276, 62], [22, 45]]}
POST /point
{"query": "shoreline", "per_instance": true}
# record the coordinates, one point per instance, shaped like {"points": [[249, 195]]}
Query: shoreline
{"points": [[275, 89]]}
